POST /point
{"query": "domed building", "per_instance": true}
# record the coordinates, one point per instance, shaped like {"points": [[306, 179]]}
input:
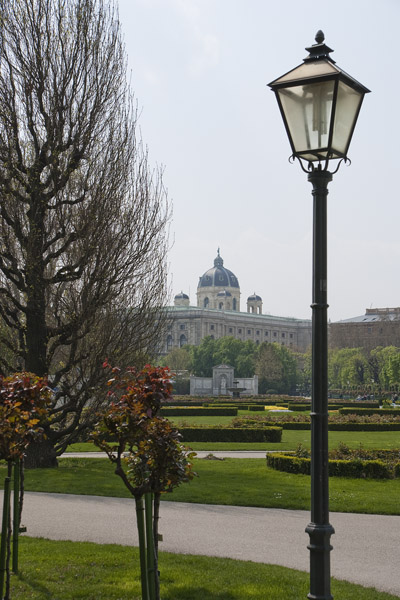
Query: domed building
{"points": [[217, 314], [218, 288], [181, 300]]}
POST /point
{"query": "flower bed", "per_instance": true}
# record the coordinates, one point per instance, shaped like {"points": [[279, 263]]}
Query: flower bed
{"points": [[336, 422]]}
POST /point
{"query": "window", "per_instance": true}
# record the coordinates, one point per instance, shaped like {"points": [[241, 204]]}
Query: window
{"points": [[258, 332], [239, 331], [291, 336], [212, 327], [206, 302], [230, 330], [249, 331], [266, 333], [275, 334], [169, 342], [182, 327], [182, 340], [283, 334], [234, 304], [221, 305]]}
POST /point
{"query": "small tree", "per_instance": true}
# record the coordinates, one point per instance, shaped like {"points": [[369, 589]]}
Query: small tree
{"points": [[24, 399], [147, 454]]}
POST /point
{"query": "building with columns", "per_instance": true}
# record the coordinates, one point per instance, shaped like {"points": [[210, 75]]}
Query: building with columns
{"points": [[218, 314]]}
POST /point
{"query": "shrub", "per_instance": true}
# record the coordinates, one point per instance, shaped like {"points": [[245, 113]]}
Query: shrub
{"points": [[343, 462]]}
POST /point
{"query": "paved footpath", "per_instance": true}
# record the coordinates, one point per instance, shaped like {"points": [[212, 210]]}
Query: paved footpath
{"points": [[366, 547]]}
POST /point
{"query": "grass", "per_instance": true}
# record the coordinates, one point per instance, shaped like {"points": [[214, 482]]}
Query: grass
{"points": [[85, 571], [238, 482], [290, 440]]}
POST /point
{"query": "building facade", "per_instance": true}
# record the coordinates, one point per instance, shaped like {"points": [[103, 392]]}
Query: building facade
{"points": [[223, 383], [218, 314], [378, 327]]}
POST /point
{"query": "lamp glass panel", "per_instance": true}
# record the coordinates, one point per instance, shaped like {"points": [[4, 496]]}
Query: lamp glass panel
{"points": [[347, 106], [308, 70], [308, 111]]}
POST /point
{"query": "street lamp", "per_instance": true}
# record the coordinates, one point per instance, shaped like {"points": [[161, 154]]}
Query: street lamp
{"points": [[319, 104]]}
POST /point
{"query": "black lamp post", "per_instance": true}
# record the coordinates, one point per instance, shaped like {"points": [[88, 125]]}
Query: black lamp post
{"points": [[319, 104]]}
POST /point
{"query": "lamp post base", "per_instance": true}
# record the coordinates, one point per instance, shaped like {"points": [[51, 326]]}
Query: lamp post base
{"points": [[320, 548]]}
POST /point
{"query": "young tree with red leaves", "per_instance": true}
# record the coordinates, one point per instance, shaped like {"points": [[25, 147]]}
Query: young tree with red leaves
{"points": [[146, 451], [24, 401]]}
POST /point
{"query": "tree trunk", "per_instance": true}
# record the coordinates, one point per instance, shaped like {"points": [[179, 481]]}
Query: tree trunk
{"points": [[142, 546], [40, 455], [156, 519], [36, 336]]}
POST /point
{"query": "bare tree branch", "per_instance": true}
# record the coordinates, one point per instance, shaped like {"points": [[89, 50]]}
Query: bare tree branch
{"points": [[83, 217]]}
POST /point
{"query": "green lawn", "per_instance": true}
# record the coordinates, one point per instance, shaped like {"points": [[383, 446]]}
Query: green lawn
{"points": [[290, 440], [84, 571], [240, 482]]}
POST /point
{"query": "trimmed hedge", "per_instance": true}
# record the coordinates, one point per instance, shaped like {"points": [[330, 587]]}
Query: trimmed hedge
{"points": [[364, 427], [356, 404], [197, 411], [374, 469], [346, 406], [255, 407], [299, 407], [370, 411], [230, 434], [331, 406], [334, 426]]}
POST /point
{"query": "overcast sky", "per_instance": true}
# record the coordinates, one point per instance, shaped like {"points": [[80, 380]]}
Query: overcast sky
{"points": [[200, 70]]}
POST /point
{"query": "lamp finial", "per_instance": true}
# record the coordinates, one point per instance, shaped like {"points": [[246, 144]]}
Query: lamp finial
{"points": [[320, 49]]}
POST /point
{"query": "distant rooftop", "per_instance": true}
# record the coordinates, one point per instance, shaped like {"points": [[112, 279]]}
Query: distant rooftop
{"points": [[233, 313], [375, 314]]}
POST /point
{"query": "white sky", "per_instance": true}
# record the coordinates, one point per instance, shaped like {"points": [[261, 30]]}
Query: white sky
{"points": [[199, 72]]}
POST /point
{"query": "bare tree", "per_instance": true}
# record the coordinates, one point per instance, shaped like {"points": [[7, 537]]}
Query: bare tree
{"points": [[83, 218]]}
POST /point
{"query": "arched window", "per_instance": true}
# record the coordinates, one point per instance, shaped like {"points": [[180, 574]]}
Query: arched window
{"points": [[182, 340], [221, 305], [234, 304], [206, 302], [169, 342]]}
